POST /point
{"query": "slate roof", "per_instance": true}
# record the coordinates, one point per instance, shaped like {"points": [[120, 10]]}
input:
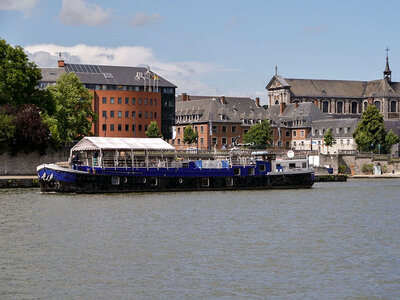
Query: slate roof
{"points": [[211, 108], [95, 75], [306, 111], [338, 88], [350, 124]]}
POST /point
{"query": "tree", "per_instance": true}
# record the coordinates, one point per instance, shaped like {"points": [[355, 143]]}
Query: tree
{"points": [[7, 130], [370, 133], [74, 115], [259, 135], [153, 131], [329, 139], [390, 140], [30, 132], [189, 135]]}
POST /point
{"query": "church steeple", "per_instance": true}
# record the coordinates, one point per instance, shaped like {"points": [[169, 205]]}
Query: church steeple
{"points": [[387, 74]]}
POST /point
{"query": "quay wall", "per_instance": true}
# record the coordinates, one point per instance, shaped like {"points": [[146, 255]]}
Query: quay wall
{"points": [[25, 164]]}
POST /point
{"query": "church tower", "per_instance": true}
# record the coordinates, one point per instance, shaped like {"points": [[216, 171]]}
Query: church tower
{"points": [[387, 74]]}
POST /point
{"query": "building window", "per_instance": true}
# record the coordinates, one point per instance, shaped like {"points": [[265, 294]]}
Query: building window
{"points": [[151, 101], [104, 100], [224, 141], [155, 101], [119, 127], [179, 141], [339, 107], [112, 100], [151, 115], [133, 114], [145, 101], [119, 100], [104, 114], [224, 129], [354, 106], [126, 114], [111, 114], [214, 129], [126, 127], [325, 106], [294, 133], [133, 128], [112, 127], [202, 141], [119, 114], [140, 100], [287, 133], [393, 106], [145, 114], [140, 127], [145, 127], [140, 114], [126, 100], [365, 105], [179, 130], [155, 115], [378, 105], [233, 129], [214, 141], [133, 101], [104, 127]]}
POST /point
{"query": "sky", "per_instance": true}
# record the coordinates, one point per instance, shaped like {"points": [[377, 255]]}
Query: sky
{"points": [[212, 47]]}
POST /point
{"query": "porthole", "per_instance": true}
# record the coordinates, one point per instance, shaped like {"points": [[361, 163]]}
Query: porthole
{"points": [[115, 180], [180, 180], [125, 179], [144, 180]]}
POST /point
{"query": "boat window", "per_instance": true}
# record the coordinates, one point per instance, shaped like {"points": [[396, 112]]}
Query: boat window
{"points": [[261, 168], [304, 165], [153, 181], [252, 171], [236, 171], [229, 181], [115, 180], [205, 182], [292, 165]]}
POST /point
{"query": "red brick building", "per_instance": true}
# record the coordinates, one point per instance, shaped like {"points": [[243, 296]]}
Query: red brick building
{"points": [[126, 99]]}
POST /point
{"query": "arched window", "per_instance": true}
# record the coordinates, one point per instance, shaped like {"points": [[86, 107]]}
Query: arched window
{"points": [[276, 102], [325, 106], [354, 106], [378, 105], [393, 106], [365, 105], [339, 107]]}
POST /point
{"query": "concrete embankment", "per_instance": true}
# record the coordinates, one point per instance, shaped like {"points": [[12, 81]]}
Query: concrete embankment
{"points": [[18, 182]]}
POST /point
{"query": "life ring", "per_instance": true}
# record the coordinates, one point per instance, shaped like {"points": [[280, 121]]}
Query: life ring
{"points": [[144, 180], [57, 184], [125, 179], [180, 180]]}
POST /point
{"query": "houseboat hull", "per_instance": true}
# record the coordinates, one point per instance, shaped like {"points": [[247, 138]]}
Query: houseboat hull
{"points": [[53, 178]]}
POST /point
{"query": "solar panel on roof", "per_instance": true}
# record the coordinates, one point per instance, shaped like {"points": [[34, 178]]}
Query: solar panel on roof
{"points": [[84, 69], [79, 68], [108, 75], [92, 69]]}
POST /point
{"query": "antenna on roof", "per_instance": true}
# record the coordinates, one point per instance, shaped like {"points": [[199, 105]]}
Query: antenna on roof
{"points": [[276, 70]]}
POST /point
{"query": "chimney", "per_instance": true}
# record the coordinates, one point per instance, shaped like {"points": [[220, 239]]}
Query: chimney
{"points": [[223, 101], [258, 102], [282, 108], [61, 61], [185, 97], [296, 104]]}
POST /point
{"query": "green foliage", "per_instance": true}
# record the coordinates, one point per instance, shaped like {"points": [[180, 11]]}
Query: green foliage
{"points": [[367, 168], [342, 169], [18, 76], [189, 135], [259, 135], [153, 131], [370, 131], [390, 140], [7, 130], [74, 115], [329, 139]]}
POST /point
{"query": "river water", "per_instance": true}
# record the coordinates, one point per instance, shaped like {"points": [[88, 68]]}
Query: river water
{"points": [[334, 241]]}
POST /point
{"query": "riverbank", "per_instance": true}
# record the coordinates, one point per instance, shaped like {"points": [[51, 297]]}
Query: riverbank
{"points": [[23, 181]]}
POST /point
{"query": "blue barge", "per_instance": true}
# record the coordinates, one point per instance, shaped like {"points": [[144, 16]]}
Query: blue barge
{"points": [[103, 165]]}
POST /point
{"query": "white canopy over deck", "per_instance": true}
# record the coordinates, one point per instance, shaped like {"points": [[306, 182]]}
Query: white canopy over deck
{"points": [[92, 143]]}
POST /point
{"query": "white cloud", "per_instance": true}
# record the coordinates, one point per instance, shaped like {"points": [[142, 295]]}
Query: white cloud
{"points": [[142, 19], [186, 75], [78, 12], [17, 4]]}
